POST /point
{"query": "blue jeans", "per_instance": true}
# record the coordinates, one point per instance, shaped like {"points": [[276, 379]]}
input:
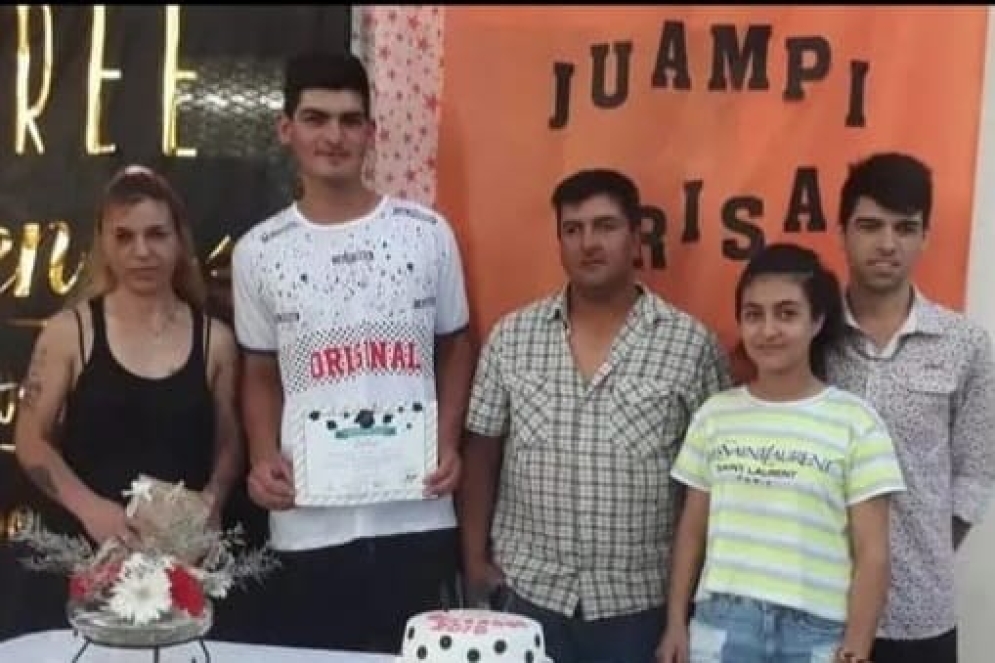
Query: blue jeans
{"points": [[727, 629], [626, 639]]}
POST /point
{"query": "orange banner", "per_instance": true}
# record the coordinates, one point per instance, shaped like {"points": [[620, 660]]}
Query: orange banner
{"points": [[738, 125]]}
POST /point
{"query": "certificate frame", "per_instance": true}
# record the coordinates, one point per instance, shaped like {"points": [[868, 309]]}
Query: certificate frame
{"points": [[352, 456]]}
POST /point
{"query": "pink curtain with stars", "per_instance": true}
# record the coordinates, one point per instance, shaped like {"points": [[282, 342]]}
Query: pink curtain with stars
{"points": [[402, 48]]}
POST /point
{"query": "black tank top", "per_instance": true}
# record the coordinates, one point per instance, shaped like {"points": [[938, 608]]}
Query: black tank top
{"points": [[118, 424]]}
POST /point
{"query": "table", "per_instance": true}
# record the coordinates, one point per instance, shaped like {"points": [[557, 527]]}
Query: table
{"points": [[61, 646]]}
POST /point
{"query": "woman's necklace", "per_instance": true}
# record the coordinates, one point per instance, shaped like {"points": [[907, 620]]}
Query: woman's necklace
{"points": [[159, 335]]}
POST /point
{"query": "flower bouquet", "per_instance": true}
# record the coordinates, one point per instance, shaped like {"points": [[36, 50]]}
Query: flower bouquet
{"points": [[157, 591]]}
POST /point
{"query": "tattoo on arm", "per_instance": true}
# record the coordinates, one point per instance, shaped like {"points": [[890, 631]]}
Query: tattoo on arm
{"points": [[30, 393], [42, 478], [31, 390]]}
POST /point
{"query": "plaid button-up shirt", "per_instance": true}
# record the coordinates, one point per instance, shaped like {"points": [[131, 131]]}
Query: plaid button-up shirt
{"points": [[585, 509]]}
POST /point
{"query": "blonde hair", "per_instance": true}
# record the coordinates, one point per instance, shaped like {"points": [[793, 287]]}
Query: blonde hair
{"points": [[132, 185]]}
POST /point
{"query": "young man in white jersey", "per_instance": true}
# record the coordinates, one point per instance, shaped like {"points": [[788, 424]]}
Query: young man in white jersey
{"points": [[348, 299]]}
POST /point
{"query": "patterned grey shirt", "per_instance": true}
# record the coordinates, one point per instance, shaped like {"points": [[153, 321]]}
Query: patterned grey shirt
{"points": [[935, 388], [585, 508]]}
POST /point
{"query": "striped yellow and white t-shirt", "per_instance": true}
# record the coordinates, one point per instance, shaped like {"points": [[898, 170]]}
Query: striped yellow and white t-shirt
{"points": [[780, 478]]}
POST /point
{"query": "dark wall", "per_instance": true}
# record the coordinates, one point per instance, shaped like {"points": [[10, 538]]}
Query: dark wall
{"points": [[228, 114]]}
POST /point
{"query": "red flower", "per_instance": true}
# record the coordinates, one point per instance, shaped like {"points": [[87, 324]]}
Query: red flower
{"points": [[185, 591], [93, 580], [107, 574], [79, 587]]}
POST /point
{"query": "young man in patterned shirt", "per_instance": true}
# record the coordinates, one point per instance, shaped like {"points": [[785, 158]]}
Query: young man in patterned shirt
{"points": [[929, 372], [579, 406]]}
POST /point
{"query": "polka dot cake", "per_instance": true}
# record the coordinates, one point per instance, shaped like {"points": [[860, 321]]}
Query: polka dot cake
{"points": [[472, 636]]}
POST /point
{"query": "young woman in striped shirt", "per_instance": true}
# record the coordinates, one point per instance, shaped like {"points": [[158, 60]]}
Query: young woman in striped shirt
{"points": [[783, 541]]}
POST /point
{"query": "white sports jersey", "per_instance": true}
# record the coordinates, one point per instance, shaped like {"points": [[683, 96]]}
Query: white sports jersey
{"points": [[351, 310]]}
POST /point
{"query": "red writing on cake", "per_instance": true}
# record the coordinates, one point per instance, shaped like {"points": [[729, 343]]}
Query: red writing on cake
{"points": [[338, 361], [441, 622]]}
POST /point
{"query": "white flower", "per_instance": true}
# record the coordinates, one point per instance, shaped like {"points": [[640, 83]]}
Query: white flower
{"points": [[134, 564], [141, 489], [139, 563], [175, 491], [216, 585], [142, 594]]}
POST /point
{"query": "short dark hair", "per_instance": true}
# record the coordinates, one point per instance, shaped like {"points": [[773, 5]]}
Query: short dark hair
{"points": [[329, 70], [898, 182], [585, 184], [818, 282]]}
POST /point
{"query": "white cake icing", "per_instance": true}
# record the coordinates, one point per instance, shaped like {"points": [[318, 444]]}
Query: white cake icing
{"points": [[472, 636]]}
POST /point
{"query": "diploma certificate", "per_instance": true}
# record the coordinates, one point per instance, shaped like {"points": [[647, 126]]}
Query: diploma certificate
{"points": [[353, 456]]}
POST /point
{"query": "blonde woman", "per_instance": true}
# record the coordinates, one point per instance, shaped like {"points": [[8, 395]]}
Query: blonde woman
{"points": [[136, 378]]}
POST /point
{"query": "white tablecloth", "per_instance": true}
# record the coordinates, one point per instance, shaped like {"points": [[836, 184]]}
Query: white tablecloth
{"points": [[61, 646]]}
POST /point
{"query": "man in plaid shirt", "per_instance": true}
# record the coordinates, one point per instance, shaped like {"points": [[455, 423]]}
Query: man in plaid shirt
{"points": [[579, 406]]}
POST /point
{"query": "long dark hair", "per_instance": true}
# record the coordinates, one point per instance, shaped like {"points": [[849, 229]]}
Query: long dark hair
{"points": [[819, 283]]}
